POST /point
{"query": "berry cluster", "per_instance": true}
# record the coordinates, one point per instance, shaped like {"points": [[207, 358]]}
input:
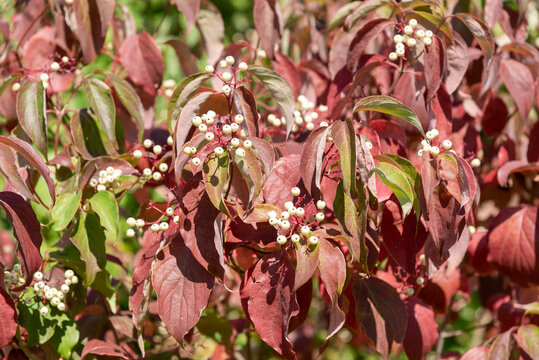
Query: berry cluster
{"points": [[408, 38], [14, 277], [158, 166], [169, 85], [107, 180], [230, 79], [304, 116], [224, 131], [160, 224], [295, 223], [427, 145], [49, 292]]}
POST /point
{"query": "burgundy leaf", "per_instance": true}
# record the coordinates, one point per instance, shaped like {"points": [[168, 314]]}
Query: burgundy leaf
{"points": [[268, 301], [439, 290], [10, 171], [533, 146], [422, 330], [457, 62], [311, 159], [381, 312], [495, 116], [105, 348], [283, 177], [142, 60], [32, 156], [8, 314], [492, 12], [266, 15], [513, 239], [286, 68], [362, 39], [31, 112], [519, 81], [306, 264], [183, 288], [27, 231], [245, 104], [190, 9], [434, 58]]}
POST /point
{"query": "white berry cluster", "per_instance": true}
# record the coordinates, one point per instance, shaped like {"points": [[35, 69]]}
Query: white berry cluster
{"points": [[429, 141], [224, 131], [107, 179], [157, 167], [159, 225], [294, 223], [304, 116], [53, 294], [14, 277], [169, 85], [229, 76], [408, 38]]}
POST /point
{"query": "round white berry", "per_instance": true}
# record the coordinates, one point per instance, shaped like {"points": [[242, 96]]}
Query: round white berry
{"points": [[285, 215], [55, 301], [176, 219], [157, 176], [309, 126], [447, 144], [137, 154], [281, 239], [196, 121], [157, 149], [324, 124], [230, 60], [67, 282], [430, 135], [44, 77], [284, 224], [163, 226], [295, 191], [261, 53], [38, 276], [170, 141], [44, 310], [412, 23], [368, 145], [292, 210], [55, 66], [435, 132], [223, 64], [15, 87], [140, 223], [147, 143], [163, 167], [209, 68], [427, 41], [434, 150], [320, 216], [399, 52], [397, 39], [227, 76], [300, 211], [68, 274], [240, 152], [65, 59], [193, 150], [273, 221], [420, 33], [305, 230], [288, 205], [226, 89], [243, 66], [238, 119], [155, 227], [393, 56], [313, 240], [226, 129], [195, 161], [74, 279], [61, 306], [408, 30], [209, 136], [247, 144], [218, 151], [147, 172], [320, 204], [234, 127], [272, 213], [429, 34], [187, 150], [235, 142], [64, 288], [130, 233], [475, 162], [411, 42], [202, 128]]}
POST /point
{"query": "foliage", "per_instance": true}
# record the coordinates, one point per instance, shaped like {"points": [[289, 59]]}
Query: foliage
{"points": [[265, 179]]}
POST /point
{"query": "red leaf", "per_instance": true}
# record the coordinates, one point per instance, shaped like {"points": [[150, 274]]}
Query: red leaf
{"points": [[381, 312], [519, 81], [183, 288], [268, 301], [434, 59], [478, 252], [422, 330], [533, 146], [283, 177], [495, 116], [457, 62], [8, 314], [311, 159], [439, 290], [211, 25], [492, 12], [190, 9], [306, 264], [362, 39], [513, 239], [105, 348], [142, 60], [27, 231], [476, 353], [266, 15], [286, 68]]}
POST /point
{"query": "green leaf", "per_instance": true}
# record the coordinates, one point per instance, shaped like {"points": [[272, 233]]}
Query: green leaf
{"points": [[40, 328], [8, 81], [216, 178], [91, 252], [181, 95], [432, 22], [130, 100], [66, 334], [101, 102], [366, 8], [481, 33], [529, 340], [104, 204], [391, 106], [64, 210], [87, 135], [280, 90], [344, 137], [397, 181], [341, 14], [252, 172], [31, 113]]}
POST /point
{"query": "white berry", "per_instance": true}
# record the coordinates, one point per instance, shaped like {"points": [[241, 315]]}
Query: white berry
{"points": [[15, 87], [44, 310], [163, 226], [447, 144], [55, 66], [219, 151], [68, 274], [209, 136], [412, 23], [130, 233], [305, 230], [475, 162], [147, 143], [137, 154], [240, 152], [281, 239], [295, 238], [157, 149], [61, 306], [243, 66], [209, 68], [320, 216], [313, 240], [155, 227], [295, 191], [393, 56], [320, 204], [163, 167], [195, 161], [227, 76], [38, 276], [408, 30]]}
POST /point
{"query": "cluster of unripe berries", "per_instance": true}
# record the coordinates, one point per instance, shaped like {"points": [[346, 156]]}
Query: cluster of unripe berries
{"points": [[296, 214], [155, 173], [14, 277], [107, 180], [53, 294], [222, 130], [157, 226], [229, 78], [409, 38]]}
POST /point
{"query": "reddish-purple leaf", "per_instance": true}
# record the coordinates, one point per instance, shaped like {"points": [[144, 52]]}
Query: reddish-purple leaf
{"points": [[8, 314], [32, 156], [439, 290], [211, 25], [422, 330], [284, 175], [9, 169], [266, 15], [332, 265], [183, 288], [311, 159], [245, 104], [362, 39], [492, 12], [503, 346], [104, 348], [476, 353], [268, 300], [190, 9], [31, 112], [307, 260], [527, 337], [188, 61], [513, 239], [381, 312], [434, 59], [457, 62], [533, 146], [495, 116], [27, 231], [287, 69], [142, 60], [519, 81], [481, 33]]}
